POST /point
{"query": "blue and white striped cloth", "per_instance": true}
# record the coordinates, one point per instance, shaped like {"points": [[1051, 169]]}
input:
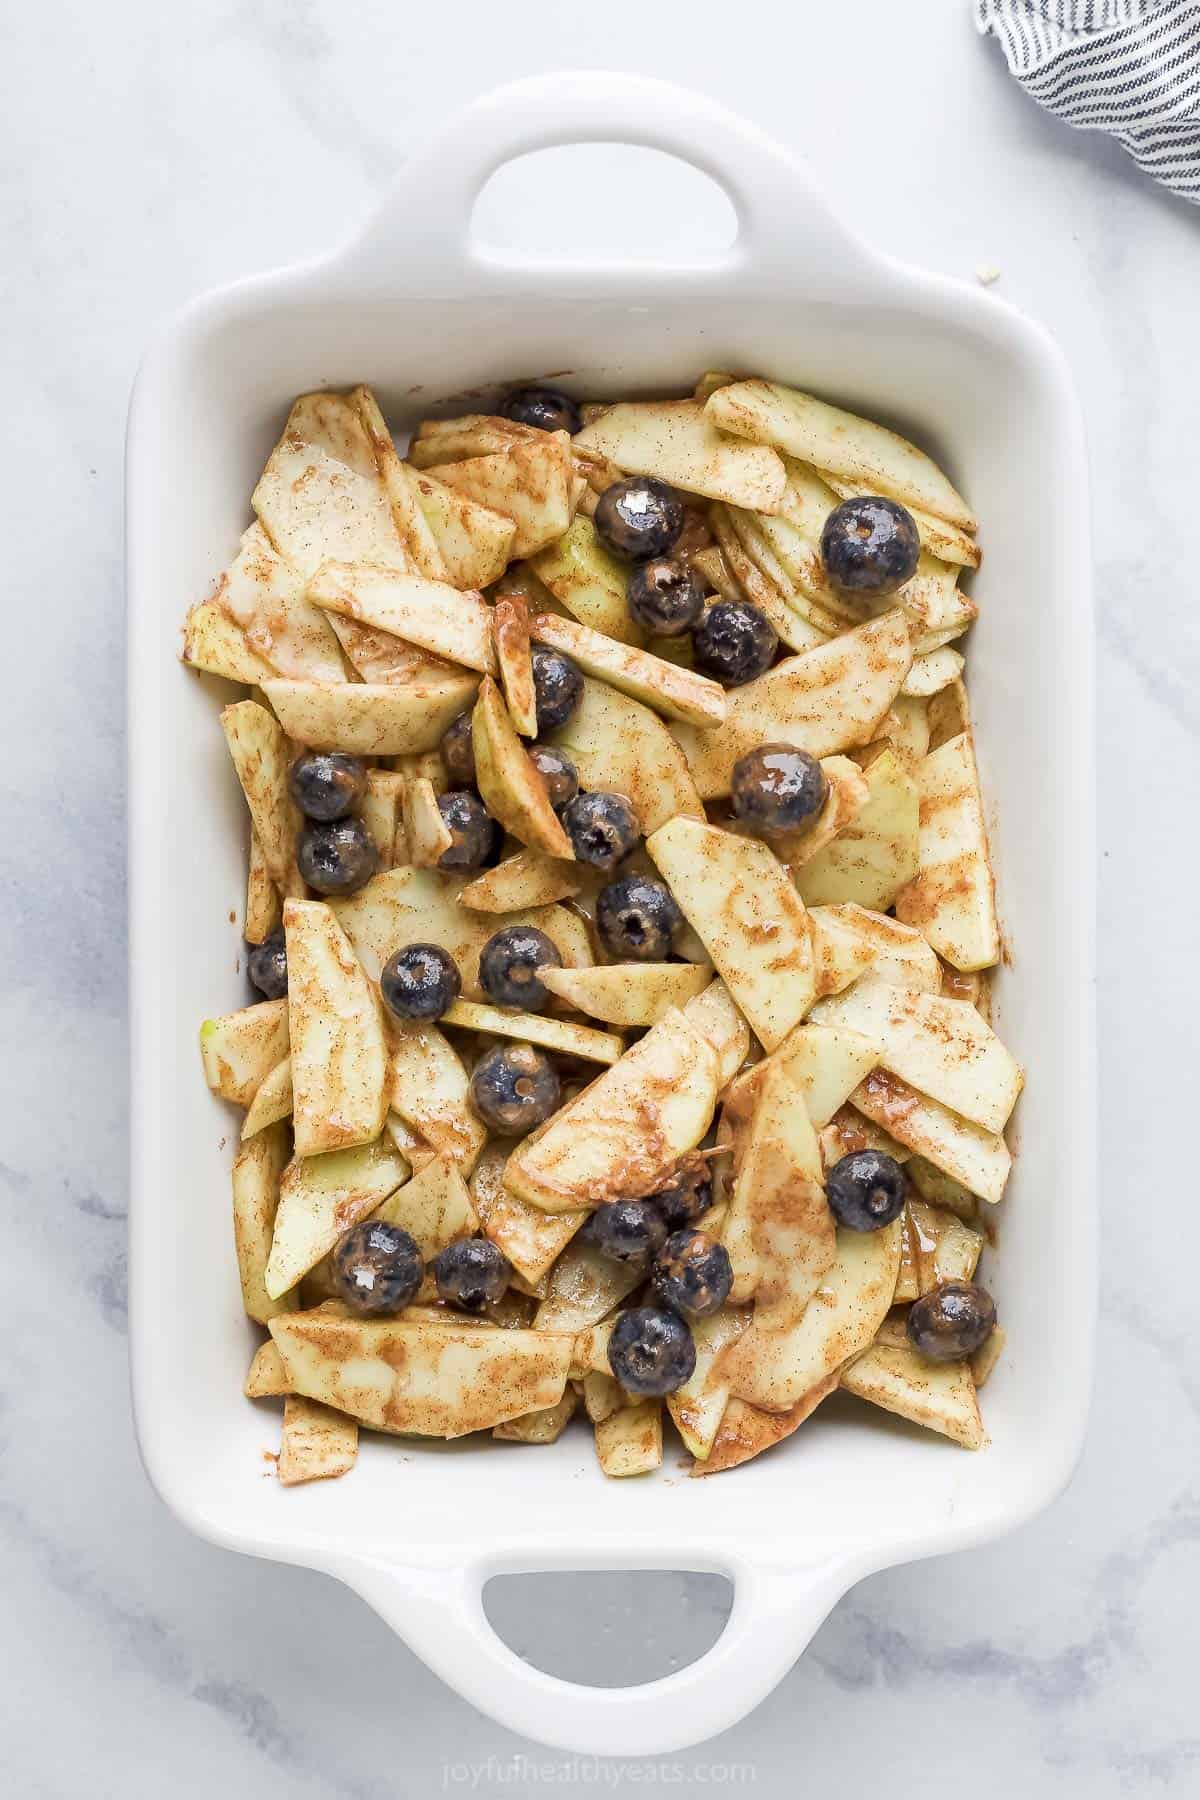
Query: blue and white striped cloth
{"points": [[1128, 67]]}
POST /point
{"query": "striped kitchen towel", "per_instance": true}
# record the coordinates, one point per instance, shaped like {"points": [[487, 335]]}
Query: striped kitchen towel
{"points": [[1129, 67]]}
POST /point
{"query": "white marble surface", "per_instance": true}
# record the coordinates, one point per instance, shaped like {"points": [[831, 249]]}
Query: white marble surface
{"points": [[151, 151]]}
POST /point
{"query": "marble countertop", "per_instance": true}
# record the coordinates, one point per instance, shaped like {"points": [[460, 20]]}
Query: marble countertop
{"points": [[153, 151]]}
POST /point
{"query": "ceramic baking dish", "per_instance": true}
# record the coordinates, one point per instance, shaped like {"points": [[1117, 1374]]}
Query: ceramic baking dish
{"points": [[413, 307]]}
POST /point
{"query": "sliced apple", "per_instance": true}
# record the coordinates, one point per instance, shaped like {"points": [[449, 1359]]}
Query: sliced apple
{"points": [[256, 1175], [429, 1088], [746, 1431], [775, 1369], [987, 1356], [620, 746], [790, 560], [678, 692], [944, 1248], [543, 1427], [272, 1101], [412, 527], [677, 441], [630, 1440], [434, 1207], [720, 1023], [938, 536], [601, 1396], [941, 1047], [623, 1135], [875, 853], [906, 727], [240, 1049], [976, 1157], [948, 714], [932, 672], [823, 701], [266, 1378], [320, 495], [562, 1035], [339, 1058], [530, 878], [426, 835], [791, 623], [380, 810], [264, 595], [779, 1231], [749, 917], [261, 754], [263, 906], [940, 1396], [471, 434], [952, 900], [850, 1130], [629, 993], [421, 906], [848, 793], [530, 483], [438, 1380], [320, 1198], [711, 566], [510, 785], [447, 621], [824, 1063], [369, 719], [908, 1287], [214, 644], [939, 1189], [588, 581], [474, 542], [317, 1442], [698, 1407], [583, 1288], [851, 940], [531, 1239], [838, 441], [510, 634], [379, 658]]}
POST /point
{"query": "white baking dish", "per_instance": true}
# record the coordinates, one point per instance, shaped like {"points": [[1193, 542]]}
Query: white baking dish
{"points": [[413, 308]]}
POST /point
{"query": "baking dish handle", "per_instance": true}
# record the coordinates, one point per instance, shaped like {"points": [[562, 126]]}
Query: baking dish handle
{"points": [[439, 1613], [785, 227]]}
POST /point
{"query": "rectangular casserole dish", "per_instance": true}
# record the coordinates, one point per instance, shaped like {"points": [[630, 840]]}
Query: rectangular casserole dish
{"points": [[412, 307]]}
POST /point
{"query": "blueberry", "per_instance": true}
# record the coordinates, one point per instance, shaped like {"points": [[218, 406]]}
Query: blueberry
{"points": [[870, 546], [734, 642], [951, 1321], [420, 982], [630, 1231], [266, 966], [637, 918], [458, 751], [651, 1351], [557, 687], [513, 1088], [602, 828], [326, 784], [692, 1274], [557, 771], [865, 1190], [664, 597], [474, 833], [778, 788], [509, 963], [472, 1273], [337, 858], [544, 407], [687, 1198], [377, 1268], [639, 517]]}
